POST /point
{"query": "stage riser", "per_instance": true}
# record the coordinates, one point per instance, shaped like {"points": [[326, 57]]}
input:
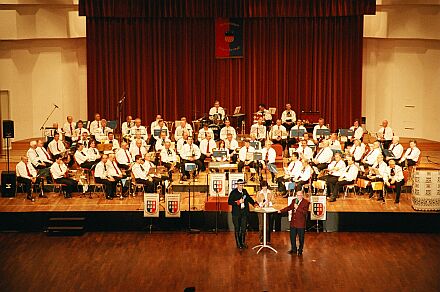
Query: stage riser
{"points": [[205, 221]]}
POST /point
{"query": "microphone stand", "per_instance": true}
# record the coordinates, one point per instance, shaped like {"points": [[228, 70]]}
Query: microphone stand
{"points": [[119, 111], [42, 126], [191, 184]]}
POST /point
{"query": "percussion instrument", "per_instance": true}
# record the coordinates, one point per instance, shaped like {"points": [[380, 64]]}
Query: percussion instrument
{"points": [[377, 186], [362, 183], [319, 184], [216, 130]]}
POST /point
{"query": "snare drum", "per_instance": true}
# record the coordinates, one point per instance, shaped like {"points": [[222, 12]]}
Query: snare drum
{"points": [[377, 186], [362, 183]]}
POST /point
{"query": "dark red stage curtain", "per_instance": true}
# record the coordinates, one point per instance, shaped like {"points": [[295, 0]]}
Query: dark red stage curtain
{"points": [[168, 65]]}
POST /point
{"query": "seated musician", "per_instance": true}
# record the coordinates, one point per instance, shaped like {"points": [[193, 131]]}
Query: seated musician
{"points": [[27, 175], [34, 158], [59, 173], [56, 146], [138, 128], [348, 177], [124, 157], [114, 171], [375, 173], [334, 171], [245, 156], [268, 162], [411, 155], [190, 154], [69, 129], [140, 173], [227, 129], [78, 132], [371, 156], [217, 112], [290, 173], [111, 140], [396, 148], [295, 139], [259, 130], [207, 145], [160, 143], [84, 139], [127, 125], [334, 143], [231, 145], [278, 134], [162, 127], [43, 154], [137, 136], [357, 150], [222, 147], [385, 134], [265, 115], [358, 132], [103, 131], [204, 131], [319, 126], [304, 175], [82, 158], [394, 177], [93, 152], [168, 158], [95, 125], [58, 130], [138, 149], [184, 126], [158, 180], [304, 151], [182, 141], [288, 117], [323, 157], [102, 177]]}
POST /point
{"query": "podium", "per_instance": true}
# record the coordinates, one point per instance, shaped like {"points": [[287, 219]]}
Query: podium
{"points": [[265, 211]]}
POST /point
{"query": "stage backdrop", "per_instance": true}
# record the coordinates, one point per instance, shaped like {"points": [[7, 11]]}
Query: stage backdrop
{"points": [[162, 55]]}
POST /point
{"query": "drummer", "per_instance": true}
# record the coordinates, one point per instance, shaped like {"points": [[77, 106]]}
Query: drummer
{"points": [[263, 113], [217, 113]]}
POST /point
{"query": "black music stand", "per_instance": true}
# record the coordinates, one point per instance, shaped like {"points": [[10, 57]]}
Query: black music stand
{"points": [[191, 167], [296, 133], [322, 132]]}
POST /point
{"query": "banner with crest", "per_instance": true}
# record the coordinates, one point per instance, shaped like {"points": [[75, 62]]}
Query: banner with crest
{"points": [[229, 38], [151, 205], [217, 184], [172, 205], [233, 178], [319, 208]]}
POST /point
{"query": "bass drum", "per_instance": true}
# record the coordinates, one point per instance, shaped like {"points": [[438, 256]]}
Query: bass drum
{"points": [[216, 129]]}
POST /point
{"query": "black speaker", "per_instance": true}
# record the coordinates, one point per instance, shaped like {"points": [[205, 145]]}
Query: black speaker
{"points": [[9, 182], [363, 120], [8, 129]]}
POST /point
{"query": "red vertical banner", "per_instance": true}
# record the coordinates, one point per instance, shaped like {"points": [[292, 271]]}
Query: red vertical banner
{"points": [[229, 38]]}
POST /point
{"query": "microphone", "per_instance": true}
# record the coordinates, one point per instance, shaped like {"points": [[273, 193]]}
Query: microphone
{"points": [[56, 106], [122, 98]]}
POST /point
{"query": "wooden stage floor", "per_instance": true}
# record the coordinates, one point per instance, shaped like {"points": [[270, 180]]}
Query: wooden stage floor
{"points": [[140, 261]]}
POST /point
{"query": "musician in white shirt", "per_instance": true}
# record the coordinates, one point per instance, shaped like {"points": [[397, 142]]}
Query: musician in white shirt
{"points": [[259, 130], [96, 124], [304, 175], [291, 173], [78, 132], [217, 112], [43, 154], [113, 169], [268, 160], [160, 143], [385, 134], [227, 129], [265, 115], [182, 141], [319, 126], [206, 147], [27, 175], [138, 128], [102, 132], [335, 170], [411, 155], [278, 134], [59, 173], [68, 129], [371, 156], [33, 156], [347, 177], [93, 153], [396, 148], [357, 150], [169, 158], [111, 140], [204, 131], [231, 145], [323, 157], [304, 151], [155, 123], [82, 158], [84, 139], [394, 177], [245, 156], [56, 146], [184, 126], [376, 173], [190, 154], [138, 149], [123, 156], [288, 117], [127, 125], [334, 143], [102, 177], [159, 129], [138, 136], [358, 132], [140, 172]]}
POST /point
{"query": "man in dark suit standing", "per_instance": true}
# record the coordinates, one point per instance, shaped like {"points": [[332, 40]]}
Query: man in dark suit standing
{"points": [[299, 208], [239, 199]]}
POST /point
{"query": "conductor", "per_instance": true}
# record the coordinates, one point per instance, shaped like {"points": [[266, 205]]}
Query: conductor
{"points": [[239, 199]]}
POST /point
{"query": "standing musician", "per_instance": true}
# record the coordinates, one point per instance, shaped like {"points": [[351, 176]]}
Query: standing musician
{"points": [[304, 151], [126, 126], [358, 132], [96, 124], [69, 129], [59, 173], [411, 155], [278, 134], [396, 148], [385, 134], [140, 173], [320, 126], [299, 208], [217, 113], [138, 128], [288, 117], [78, 132], [265, 115], [190, 154], [323, 157], [82, 158], [227, 129], [207, 145], [102, 177], [124, 157], [231, 145], [184, 126], [268, 161], [347, 177], [204, 131], [265, 199], [259, 130], [240, 199], [138, 149], [334, 172], [169, 158], [27, 175], [394, 177], [371, 156], [357, 150], [246, 156]]}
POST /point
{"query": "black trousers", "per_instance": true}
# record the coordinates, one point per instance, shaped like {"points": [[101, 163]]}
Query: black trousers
{"points": [[241, 165], [87, 164], [186, 173], [331, 181], [109, 186], [338, 186], [123, 166], [148, 185], [298, 185], [398, 186], [288, 126], [293, 233], [202, 162], [240, 222], [27, 183], [71, 184]]}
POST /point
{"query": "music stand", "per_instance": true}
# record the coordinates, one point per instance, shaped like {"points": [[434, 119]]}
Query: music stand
{"points": [[191, 167], [255, 144], [296, 133], [265, 211], [322, 132], [346, 133], [156, 132], [219, 153]]}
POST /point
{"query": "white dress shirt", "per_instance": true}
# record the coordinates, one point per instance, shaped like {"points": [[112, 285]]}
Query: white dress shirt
{"points": [[123, 157], [350, 173], [315, 136], [357, 132], [78, 132], [336, 168], [357, 151], [371, 156], [113, 168], [101, 170], [204, 146], [178, 133], [93, 154], [382, 166], [398, 174], [231, 145], [168, 156], [259, 131], [160, 144], [202, 134], [305, 173], [69, 129], [58, 170], [243, 153], [21, 170], [189, 151], [294, 168], [140, 171], [180, 144], [94, 126], [334, 145], [133, 144], [56, 147], [278, 131], [43, 154], [141, 130], [412, 154], [138, 151], [114, 142], [307, 152], [324, 155], [33, 157], [387, 133], [270, 153], [288, 116], [227, 130], [397, 150], [81, 156], [220, 111], [126, 127]]}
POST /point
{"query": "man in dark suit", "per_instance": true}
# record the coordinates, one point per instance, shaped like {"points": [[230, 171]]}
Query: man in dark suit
{"points": [[239, 199], [299, 208]]}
